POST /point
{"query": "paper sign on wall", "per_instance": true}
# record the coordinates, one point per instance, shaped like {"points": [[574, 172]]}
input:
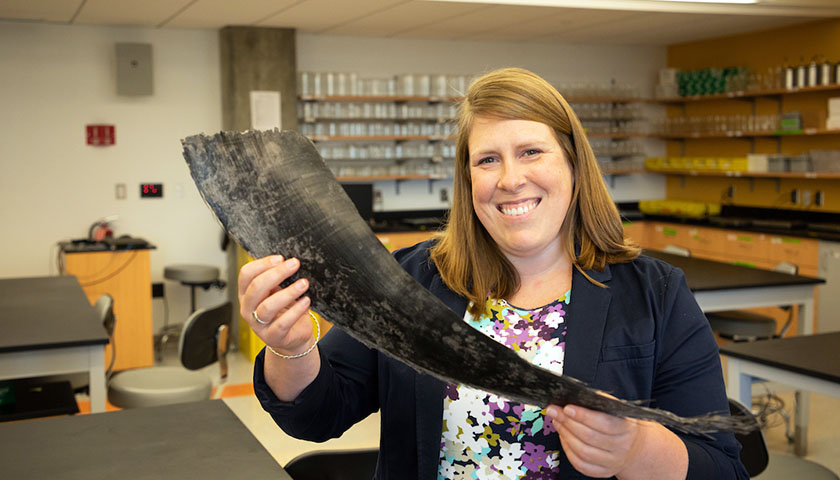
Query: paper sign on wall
{"points": [[265, 110]]}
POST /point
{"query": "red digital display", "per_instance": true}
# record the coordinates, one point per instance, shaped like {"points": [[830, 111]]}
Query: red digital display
{"points": [[151, 190]]}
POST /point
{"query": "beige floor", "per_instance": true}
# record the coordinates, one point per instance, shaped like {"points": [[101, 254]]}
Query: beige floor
{"points": [[281, 446]]}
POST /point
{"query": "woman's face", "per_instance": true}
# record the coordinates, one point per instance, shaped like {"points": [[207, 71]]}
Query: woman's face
{"points": [[521, 184]]}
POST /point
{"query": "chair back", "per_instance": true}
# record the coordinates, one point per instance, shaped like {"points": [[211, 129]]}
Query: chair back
{"points": [[104, 307], [334, 465], [199, 344], [754, 454], [676, 250], [787, 267]]}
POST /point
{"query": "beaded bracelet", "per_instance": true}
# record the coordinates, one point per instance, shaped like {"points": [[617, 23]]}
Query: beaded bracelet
{"points": [[307, 352]]}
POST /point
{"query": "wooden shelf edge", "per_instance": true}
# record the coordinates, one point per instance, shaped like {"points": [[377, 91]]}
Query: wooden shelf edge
{"points": [[375, 178], [322, 138], [374, 98], [805, 133], [625, 172], [748, 94], [434, 99], [701, 173]]}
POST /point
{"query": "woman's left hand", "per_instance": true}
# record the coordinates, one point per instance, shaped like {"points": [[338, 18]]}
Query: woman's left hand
{"points": [[602, 445], [597, 444]]}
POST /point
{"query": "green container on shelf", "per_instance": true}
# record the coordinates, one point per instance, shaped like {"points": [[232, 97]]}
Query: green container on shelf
{"points": [[7, 393]]}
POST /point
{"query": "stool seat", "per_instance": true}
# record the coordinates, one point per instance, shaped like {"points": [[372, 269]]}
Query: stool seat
{"points": [[738, 324], [150, 387], [192, 274], [783, 466]]}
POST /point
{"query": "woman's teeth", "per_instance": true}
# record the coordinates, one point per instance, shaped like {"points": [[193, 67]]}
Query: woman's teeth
{"points": [[520, 210]]}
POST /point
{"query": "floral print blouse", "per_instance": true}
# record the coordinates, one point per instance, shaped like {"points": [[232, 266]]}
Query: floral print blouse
{"points": [[485, 436]]}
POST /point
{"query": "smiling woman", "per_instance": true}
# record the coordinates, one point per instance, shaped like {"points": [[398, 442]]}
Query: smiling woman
{"points": [[531, 222]]}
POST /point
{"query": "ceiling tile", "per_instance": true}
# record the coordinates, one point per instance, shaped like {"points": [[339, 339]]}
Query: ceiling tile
{"points": [[210, 13], [42, 10], [148, 13], [316, 16], [491, 19], [404, 17]]}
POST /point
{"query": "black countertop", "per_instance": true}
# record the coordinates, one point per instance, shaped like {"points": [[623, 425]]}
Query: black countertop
{"points": [[771, 221], [46, 312], [107, 245], [189, 440], [813, 355], [746, 225], [706, 275]]}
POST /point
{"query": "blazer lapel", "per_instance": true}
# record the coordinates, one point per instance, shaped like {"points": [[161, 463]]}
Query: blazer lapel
{"points": [[587, 317], [429, 397]]}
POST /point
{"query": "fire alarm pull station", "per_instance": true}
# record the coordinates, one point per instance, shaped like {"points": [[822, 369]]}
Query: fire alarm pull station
{"points": [[151, 190], [100, 135]]}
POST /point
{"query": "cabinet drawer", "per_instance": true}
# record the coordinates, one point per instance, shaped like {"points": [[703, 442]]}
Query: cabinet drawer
{"points": [[660, 234], [635, 231], [802, 252], [745, 247], [705, 240]]}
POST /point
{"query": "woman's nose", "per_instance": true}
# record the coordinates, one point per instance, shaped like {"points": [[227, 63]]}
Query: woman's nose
{"points": [[512, 176]]}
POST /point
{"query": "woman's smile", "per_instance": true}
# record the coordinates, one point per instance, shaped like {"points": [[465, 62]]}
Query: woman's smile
{"points": [[518, 208]]}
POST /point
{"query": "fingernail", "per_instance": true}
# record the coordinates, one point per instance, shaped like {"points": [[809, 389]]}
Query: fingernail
{"points": [[276, 259], [301, 285], [293, 263], [569, 411], [552, 412]]}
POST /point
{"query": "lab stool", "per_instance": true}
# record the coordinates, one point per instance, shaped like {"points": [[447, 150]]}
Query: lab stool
{"points": [[191, 275]]}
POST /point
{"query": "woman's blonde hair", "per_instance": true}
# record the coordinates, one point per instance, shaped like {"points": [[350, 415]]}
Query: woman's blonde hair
{"points": [[469, 261]]}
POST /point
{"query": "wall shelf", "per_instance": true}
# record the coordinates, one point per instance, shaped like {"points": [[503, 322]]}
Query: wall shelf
{"points": [[620, 135], [398, 138], [376, 178], [377, 119], [368, 98], [625, 172], [749, 94], [395, 98], [703, 173], [740, 134]]}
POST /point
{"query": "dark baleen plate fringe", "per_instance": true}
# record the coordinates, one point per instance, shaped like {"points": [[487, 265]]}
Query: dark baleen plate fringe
{"points": [[274, 194]]}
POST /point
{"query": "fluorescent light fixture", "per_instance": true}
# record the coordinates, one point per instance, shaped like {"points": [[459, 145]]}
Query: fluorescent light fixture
{"points": [[712, 1]]}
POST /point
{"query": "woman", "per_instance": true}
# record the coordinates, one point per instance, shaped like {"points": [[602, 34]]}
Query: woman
{"points": [[531, 221]]}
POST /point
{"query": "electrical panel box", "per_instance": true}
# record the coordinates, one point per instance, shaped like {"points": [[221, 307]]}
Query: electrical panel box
{"points": [[134, 69]]}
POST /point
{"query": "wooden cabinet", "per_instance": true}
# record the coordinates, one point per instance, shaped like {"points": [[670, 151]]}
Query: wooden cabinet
{"points": [[397, 240], [126, 276], [635, 231], [750, 249]]}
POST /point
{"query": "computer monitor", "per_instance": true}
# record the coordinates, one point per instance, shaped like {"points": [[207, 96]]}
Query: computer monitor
{"points": [[362, 196]]}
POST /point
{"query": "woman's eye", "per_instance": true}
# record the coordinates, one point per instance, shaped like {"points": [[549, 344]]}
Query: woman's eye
{"points": [[531, 151], [484, 160]]}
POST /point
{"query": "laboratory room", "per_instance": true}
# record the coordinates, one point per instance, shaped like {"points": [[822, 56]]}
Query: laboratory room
{"points": [[328, 239]]}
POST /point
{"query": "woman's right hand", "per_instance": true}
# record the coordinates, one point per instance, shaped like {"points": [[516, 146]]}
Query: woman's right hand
{"points": [[288, 327]]}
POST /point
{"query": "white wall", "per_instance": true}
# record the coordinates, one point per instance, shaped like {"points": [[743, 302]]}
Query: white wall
{"points": [[56, 79], [559, 64]]}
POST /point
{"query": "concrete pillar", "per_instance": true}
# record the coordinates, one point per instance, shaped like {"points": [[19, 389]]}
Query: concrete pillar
{"points": [[257, 59], [254, 59]]}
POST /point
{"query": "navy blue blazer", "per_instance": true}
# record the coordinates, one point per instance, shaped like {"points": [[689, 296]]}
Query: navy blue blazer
{"points": [[643, 337]]}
